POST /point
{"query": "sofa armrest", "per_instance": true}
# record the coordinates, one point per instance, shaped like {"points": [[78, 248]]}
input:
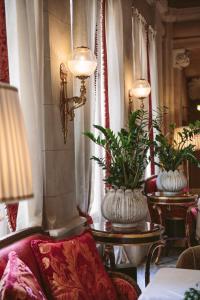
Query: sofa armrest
{"points": [[126, 287]]}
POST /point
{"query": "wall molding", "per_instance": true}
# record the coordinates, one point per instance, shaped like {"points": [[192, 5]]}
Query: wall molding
{"points": [[181, 58], [170, 15], [189, 43], [182, 14]]}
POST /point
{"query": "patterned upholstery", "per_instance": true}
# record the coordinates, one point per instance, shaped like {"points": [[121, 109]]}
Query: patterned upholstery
{"points": [[18, 282], [126, 287], [189, 259], [72, 269], [24, 252], [21, 244]]}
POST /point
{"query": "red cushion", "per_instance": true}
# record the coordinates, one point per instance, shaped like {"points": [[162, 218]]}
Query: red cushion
{"points": [[72, 269], [18, 282], [24, 252], [194, 212], [150, 185], [125, 291]]}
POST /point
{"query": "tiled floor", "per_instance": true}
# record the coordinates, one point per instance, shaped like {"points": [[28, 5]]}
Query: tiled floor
{"points": [[165, 262]]}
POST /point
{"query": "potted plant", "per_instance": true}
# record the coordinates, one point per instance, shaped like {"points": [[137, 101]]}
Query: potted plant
{"points": [[171, 153], [124, 203]]}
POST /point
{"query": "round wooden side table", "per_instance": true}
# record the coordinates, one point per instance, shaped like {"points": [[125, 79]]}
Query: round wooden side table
{"points": [[145, 233], [184, 201]]}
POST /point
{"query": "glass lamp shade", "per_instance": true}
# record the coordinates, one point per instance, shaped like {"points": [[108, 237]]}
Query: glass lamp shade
{"points": [[15, 165], [140, 89], [82, 62]]}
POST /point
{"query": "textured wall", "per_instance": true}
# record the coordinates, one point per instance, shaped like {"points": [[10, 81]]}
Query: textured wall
{"points": [[59, 183]]}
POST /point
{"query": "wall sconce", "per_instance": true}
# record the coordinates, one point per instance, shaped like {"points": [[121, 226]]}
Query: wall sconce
{"points": [[140, 90], [82, 65]]}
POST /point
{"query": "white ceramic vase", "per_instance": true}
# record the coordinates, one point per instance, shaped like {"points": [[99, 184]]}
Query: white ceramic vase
{"points": [[171, 181], [124, 208]]}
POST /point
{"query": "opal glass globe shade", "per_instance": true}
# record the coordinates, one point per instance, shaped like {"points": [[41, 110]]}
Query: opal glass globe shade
{"points": [[82, 62]]}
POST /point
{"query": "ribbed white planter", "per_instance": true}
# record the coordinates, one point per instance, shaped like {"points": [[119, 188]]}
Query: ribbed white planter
{"points": [[124, 208], [171, 181]]}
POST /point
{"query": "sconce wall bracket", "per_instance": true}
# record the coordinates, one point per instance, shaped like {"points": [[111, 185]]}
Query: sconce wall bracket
{"points": [[131, 98], [68, 105]]}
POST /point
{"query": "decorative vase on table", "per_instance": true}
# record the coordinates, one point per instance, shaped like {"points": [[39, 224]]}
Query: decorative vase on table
{"points": [[172, 151], [171, 182], [125, 205], [124, 208]]}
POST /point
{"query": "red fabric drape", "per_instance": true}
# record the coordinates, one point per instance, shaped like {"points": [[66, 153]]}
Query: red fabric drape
{"points": [[150, 112], [105, 66], [11, 210], [4, 71]]}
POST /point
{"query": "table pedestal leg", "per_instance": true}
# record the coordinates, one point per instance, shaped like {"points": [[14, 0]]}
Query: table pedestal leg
{"points": [[187, 226], [161, 222], [150, 254], [109, 256]]}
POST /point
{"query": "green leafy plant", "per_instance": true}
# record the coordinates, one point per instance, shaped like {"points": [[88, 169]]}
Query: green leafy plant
{"points": [[128, 151], [172, 153], [192, 294]]}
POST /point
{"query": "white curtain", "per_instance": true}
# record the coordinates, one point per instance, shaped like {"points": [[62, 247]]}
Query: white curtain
{"points": [[114, 39], [139, 44], [26, 63], [140, 32], [115, 65], [136, 254], [89, 177], [4, 229]]}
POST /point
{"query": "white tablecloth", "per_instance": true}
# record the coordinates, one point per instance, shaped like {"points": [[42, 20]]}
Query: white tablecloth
{"points": [[170, 284]]}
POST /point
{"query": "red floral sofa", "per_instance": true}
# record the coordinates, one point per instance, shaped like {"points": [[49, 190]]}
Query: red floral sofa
{"points": [[35, 266]]}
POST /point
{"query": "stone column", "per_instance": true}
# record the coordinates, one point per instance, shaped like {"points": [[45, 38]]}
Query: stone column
{"points": [[180, 61], [59, 196], [168, 80]]}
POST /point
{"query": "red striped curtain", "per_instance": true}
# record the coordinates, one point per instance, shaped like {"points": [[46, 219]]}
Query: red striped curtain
{"points": [[4, 71], [105, 76], [150, 112], [11, 210]]}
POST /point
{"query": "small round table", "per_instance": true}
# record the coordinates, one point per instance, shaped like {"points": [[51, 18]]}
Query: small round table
{"points": [[184, 201], [145, 233]]}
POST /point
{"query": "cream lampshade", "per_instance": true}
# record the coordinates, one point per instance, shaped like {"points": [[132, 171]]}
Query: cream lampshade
{"points": [[15, 165]]}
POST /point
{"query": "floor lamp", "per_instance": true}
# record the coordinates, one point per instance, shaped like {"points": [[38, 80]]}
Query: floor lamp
{"points": [[195, 140], [15, 165]]}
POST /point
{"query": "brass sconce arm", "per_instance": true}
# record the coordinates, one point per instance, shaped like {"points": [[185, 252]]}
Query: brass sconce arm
{"points": [[76, 102], [68, 105], [79, 101], [82, 65]]}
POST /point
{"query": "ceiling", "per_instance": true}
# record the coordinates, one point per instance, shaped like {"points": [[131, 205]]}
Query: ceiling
{"points": [[183, 3]]}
